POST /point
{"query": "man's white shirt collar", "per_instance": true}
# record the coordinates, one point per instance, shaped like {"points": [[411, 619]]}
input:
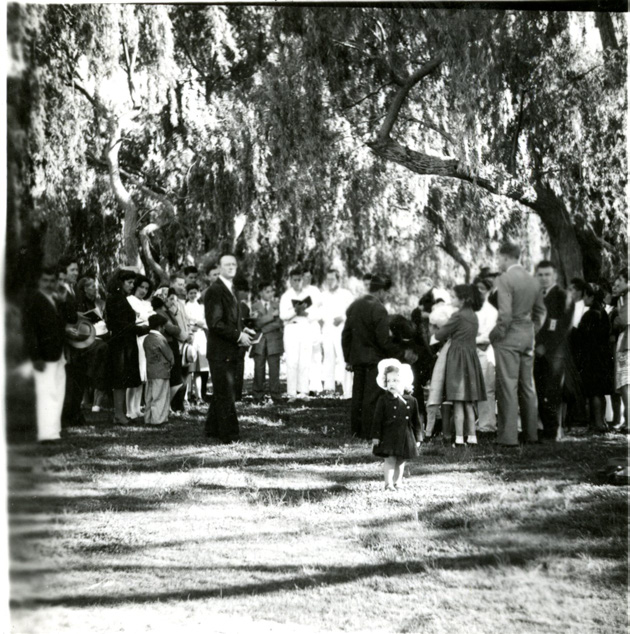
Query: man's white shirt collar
{"points": [[228, 283]]}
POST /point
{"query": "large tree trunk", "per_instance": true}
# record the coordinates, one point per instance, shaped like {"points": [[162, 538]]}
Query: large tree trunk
{"points": [[546, 204]]}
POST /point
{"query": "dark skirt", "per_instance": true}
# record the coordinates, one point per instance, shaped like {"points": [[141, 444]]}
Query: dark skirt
{"points": [[399, 443], [464, 376], [124, 365], [97, 365]]}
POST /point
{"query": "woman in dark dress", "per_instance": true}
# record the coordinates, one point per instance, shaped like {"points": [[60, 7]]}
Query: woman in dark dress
{"points": [[593, 355], [120, 317]]}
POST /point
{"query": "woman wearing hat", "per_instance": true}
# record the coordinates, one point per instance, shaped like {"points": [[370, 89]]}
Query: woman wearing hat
{"points": [[397, 430]]}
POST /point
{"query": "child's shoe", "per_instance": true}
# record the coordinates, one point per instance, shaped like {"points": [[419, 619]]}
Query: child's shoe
{"points": [[471, 440], [459, 441], [389, 487]]}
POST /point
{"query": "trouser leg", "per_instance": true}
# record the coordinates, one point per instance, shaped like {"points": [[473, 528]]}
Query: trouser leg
{"points": [[356, 412], [528, 404], [487, 408], [260, 363], [50, 385], [275, 388], [507, 365]]}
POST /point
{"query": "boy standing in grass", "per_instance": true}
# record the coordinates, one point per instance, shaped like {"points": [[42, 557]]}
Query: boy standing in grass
{"points": [[269, 349], [160, 360]]}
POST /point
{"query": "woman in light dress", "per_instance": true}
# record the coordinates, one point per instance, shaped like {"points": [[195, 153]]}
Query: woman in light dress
{"points": [[139, 301]]}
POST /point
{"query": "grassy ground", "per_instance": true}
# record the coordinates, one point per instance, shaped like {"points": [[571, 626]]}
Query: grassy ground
{"points": [[145, 530]]}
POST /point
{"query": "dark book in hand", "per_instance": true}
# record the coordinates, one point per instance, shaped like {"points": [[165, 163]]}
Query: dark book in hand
{"points": [[307, 302], [93, 316]]}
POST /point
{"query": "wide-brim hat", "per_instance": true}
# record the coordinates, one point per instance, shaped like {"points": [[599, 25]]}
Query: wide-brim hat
{"points": [[404, 372], [86, 334]]}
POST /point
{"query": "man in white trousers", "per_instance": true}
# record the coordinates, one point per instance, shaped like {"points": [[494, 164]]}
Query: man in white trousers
{"points": [[335, 302], [315, 371], [298, 319], [45, 319]]}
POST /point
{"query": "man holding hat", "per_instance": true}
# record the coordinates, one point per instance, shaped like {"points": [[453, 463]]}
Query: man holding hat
{"points": [[366, 340]]}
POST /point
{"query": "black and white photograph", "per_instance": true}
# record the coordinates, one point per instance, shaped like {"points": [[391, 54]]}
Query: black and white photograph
{"points": [[316, 317]]}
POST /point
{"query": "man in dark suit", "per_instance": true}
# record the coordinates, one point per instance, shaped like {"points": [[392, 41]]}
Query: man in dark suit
{"points": [[269, 349], [521, 312], [551, 349], [225, 336], [45, 319], [366, 340]]}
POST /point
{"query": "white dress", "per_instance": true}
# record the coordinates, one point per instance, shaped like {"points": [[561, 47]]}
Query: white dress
{"points": [[143, 310], [196, 318]]}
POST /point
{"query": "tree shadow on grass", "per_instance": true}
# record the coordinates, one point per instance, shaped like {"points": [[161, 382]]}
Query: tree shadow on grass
{"points": [[330, 576], [54, 504]]}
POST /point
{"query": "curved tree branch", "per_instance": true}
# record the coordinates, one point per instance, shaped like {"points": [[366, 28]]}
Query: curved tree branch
{"points": [[401, 95]]}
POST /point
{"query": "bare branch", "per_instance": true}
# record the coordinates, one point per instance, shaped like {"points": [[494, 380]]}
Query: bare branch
{"points": [[427, 123], [370, 94], [401, 95]]}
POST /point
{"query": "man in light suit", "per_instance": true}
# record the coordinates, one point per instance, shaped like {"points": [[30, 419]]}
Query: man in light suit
{"points": [[521, 313], [225, 337], [269, 349]]}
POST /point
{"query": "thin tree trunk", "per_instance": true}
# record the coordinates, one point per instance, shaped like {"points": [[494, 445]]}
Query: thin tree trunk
{"points": [[122, 195]]}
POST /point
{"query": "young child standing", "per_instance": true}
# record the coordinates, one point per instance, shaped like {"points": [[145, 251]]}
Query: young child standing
{"points": [[464, 383], [397, 430], [160, 360], [270, 347]]}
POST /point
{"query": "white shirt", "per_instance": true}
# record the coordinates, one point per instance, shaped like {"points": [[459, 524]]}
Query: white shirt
{"points": [[142, 308], [287, 312], [487, 316], [334, 304], [578, 310], [195, 314], [228, 283]]}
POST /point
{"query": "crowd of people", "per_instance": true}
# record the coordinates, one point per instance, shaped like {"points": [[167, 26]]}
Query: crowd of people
{"points": [[512, 354]]}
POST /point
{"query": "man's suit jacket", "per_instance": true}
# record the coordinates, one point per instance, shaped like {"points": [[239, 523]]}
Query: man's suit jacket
{"points": [[44, 327], [271, 327], [520, 303], [552, 336], [223, 316], [365, 338]]}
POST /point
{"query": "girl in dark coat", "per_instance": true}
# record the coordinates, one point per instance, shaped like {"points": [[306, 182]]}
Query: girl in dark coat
{"points": [[593, 355], [464, 383], [397, 430], [124, 369]]}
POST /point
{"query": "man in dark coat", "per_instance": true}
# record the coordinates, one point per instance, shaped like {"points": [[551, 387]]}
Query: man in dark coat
{"points": [[366, 340], [225, 337], [551, 349], [45, 319]]}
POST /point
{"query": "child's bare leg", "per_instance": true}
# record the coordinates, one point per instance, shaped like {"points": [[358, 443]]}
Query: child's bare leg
{"points": [[399, 472], [389, 466], [469, 416], [458, 417]]}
